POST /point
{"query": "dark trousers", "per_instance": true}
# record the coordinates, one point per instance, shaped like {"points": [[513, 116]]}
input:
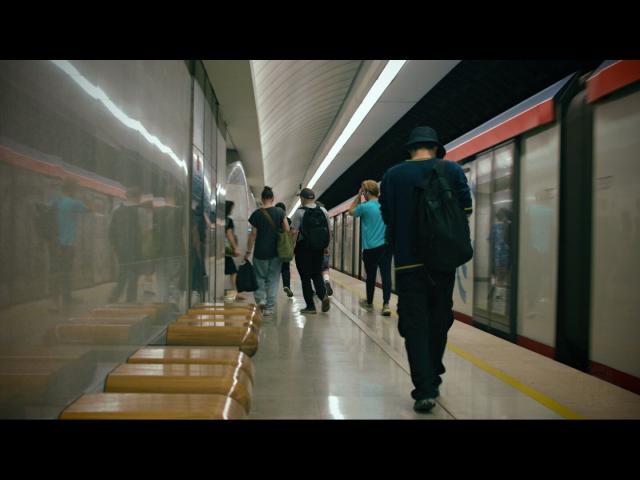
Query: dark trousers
{"points": [[61, 272], [128, 273], [309, 265], [374, 258], [425, 316], [286, 274]]}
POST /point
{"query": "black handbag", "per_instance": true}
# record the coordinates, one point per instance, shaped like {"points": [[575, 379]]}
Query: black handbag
{"points": [[246, 280]]}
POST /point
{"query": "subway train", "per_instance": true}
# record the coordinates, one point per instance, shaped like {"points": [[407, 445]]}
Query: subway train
{"points": [[555, 225]]}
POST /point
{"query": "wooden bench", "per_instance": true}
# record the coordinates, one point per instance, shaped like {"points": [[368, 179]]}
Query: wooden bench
{"points": [[180, 378], [255, 314], [225, 305], [220, 321], [43, 379], [153, 406], [123, 311], [200, 355], [98, 334], [213, 334]]}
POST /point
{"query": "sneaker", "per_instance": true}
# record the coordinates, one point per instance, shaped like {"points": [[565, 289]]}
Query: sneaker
{"points": [[424, 405], [288, 291], [267, 312], [386, 311], [326, 304], [327, 286], [366, 305], [308, 311]]}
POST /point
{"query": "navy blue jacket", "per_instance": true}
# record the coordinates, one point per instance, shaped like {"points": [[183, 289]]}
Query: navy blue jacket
{"points": [[397, 203]]}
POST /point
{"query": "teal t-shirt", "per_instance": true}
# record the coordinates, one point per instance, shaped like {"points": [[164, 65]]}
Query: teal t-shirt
{"points": [[372, 227]]}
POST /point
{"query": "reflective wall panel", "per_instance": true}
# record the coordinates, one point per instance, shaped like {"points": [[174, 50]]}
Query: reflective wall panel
{"points": [[93, 221]]}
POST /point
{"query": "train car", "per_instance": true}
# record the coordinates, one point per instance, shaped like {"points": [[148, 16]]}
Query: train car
{"points": [[555, 222]]}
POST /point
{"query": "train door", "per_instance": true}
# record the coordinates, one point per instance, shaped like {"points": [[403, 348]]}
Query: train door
{"points": [[348, 243], [338, 257], [494, 234]]}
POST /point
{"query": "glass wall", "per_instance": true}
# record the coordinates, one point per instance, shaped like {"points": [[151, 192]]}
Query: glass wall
{"points": [[616, 234], [538, 239], [94, 221], [239, 193]]}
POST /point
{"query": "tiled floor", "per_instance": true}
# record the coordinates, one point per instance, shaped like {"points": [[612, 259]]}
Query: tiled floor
{"points": [[351, 364]]}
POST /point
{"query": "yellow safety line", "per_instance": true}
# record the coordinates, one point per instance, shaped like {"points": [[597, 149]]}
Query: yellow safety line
{"points": [[531, 392]]}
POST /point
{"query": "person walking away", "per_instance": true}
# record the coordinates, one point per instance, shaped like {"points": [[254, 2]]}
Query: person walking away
{"points": [[376, 253], [310, 227], [424, 297], [286, 266], [67, 209], [231, 249], [326, 261], [169, 249], [266, 262], [125, 235]]}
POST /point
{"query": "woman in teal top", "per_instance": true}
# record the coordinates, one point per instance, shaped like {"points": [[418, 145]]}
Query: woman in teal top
{"points": [[375, 251]]}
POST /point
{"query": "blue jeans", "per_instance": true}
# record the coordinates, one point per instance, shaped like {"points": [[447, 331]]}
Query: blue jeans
{"points": [[268, 276]]}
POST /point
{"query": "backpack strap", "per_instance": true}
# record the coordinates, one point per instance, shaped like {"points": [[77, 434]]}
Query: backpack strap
{"points": [[442, 178], [266, 214]]}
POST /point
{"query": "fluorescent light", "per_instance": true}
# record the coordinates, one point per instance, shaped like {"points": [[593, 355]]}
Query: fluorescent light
{"points": [[99, 94], [384, 80]]}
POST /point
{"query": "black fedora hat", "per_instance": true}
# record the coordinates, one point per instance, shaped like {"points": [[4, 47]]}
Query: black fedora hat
{"points": [[426, 135]]}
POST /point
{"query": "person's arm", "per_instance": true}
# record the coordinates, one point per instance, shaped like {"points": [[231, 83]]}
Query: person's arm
{"points": [[295, 226], [232, 242], [355, 203], [251, 242], [461, 189], [285, 224]]}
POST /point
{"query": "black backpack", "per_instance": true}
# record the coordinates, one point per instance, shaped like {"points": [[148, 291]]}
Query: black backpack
{"points": [[443, 237], [315, 229]]}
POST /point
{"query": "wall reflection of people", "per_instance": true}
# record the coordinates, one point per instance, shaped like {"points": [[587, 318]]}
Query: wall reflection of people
{"points": [[125, 235], [66, 209], [169, 250], [198, 244]]}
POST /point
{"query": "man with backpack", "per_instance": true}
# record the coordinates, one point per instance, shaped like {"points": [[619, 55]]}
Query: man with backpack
{"points": [[310, 227], [415, 195]]}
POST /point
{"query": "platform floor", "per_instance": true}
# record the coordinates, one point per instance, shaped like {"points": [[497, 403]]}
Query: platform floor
{"points": [[351, 364]]}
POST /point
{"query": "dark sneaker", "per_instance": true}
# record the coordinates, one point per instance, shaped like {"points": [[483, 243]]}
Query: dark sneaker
{"points": [[327, 286], [308, 311], [288, 291], [326, 304], [424, 405], [366, 305], [386, 311]]}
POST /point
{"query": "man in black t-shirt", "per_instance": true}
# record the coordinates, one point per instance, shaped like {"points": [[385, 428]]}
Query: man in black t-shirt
{"points": [[265, 222]]}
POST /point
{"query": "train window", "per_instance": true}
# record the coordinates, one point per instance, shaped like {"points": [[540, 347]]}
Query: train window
{"points": [[348, 243], [338, 257], [493, 239], [616, 233], [538, 238]]}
